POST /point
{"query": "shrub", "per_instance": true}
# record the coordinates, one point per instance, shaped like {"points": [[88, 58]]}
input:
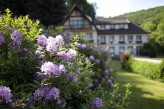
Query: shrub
{"points": [[148, 69], [17, 58]]}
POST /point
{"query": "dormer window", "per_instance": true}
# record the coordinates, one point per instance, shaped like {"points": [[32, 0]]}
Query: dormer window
{"points": [[121, 26], [102, 27]]}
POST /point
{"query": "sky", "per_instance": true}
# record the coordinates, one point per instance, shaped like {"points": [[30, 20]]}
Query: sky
{"points": [[110, 8]]}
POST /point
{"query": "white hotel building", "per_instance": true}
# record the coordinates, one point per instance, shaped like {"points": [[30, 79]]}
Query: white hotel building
{"points": [[118, 34]]}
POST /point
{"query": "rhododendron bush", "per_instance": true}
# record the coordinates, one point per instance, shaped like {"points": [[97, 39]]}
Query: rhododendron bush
{"points": [[45, 72]]}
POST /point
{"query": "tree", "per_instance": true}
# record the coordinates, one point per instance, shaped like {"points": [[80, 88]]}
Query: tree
{"points": [[87, 9], [49, 12]]}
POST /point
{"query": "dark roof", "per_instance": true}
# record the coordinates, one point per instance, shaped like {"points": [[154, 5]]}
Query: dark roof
{"points": [[132, 29], [102, 20]]}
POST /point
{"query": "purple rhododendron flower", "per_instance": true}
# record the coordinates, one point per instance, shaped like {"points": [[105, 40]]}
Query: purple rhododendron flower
{"points": [[110, 82], [59, 40], [83, 46], [42, 41], [98, 61], [2, 40], [16, 36], [97, 103], [90, 85], [53, 94], [48, 68], [74, 79], [5, 94], [106, 72], [110, 70], [63, 55], [104, 49], [41, 93], [51, 44], [78, 45], [72, 53], [95, 49], [91, 58]]}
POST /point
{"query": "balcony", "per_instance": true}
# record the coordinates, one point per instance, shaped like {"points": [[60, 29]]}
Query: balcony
{"points": [[82, 26]]}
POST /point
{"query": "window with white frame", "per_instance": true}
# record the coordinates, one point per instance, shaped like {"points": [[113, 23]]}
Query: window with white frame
{"points": [[111, 39], [138, 48], [111, 49], [102, 27], [130, 38], [130, 48], [121, 26], [77, 23], [139, 37], [103, 39], [121, 38], [121, 49], [89, 36], [112, 26]]}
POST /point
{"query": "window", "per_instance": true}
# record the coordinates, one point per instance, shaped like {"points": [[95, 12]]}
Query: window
{"points": [[112, 27], [121, 38], [139, 38], [130, 38], [111, 50], [121, 26], [102, 27], [121, 49], [138, 48], [77, 24], [130, 48], [103, 39], [111, 39], [90, 37]]}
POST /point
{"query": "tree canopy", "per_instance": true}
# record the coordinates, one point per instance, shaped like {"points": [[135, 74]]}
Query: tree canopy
{"points": [[49, 12]]}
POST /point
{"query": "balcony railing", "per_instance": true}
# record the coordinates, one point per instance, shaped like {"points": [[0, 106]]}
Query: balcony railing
{"points": [[82, 26]]}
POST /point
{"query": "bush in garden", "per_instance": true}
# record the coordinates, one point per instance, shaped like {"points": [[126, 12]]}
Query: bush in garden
{"points": [[148, 69], [64, 78], [17, 58], [124, 57]]}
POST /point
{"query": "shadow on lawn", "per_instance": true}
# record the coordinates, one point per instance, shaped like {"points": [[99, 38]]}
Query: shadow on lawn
{"points": [[140, 99]]}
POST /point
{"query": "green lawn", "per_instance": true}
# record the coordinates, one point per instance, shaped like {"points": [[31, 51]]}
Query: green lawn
{"points": [[146, 93]]}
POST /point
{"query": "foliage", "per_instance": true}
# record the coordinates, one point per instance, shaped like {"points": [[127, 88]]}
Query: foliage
{"points": [[148, 69], [146, 51], [17, 60], [87, 9], [51, 12], [152, 21], [56, 75]]}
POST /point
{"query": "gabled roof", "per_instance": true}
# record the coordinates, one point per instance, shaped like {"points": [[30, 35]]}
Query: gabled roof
{"points": [[75, 7], [132, 29], [118, 20]]}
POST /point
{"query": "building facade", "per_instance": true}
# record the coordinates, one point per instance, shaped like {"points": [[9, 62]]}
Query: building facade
{"points": [[117, 34]]}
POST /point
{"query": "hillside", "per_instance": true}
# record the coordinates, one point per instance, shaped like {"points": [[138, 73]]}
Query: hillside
{"points": [[152, 20]]}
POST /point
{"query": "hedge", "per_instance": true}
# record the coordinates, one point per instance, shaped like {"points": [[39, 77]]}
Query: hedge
{"points": [[147, 69]]}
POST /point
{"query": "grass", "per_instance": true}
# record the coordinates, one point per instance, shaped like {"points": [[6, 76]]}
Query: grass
{"points": [[146, 93]]}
